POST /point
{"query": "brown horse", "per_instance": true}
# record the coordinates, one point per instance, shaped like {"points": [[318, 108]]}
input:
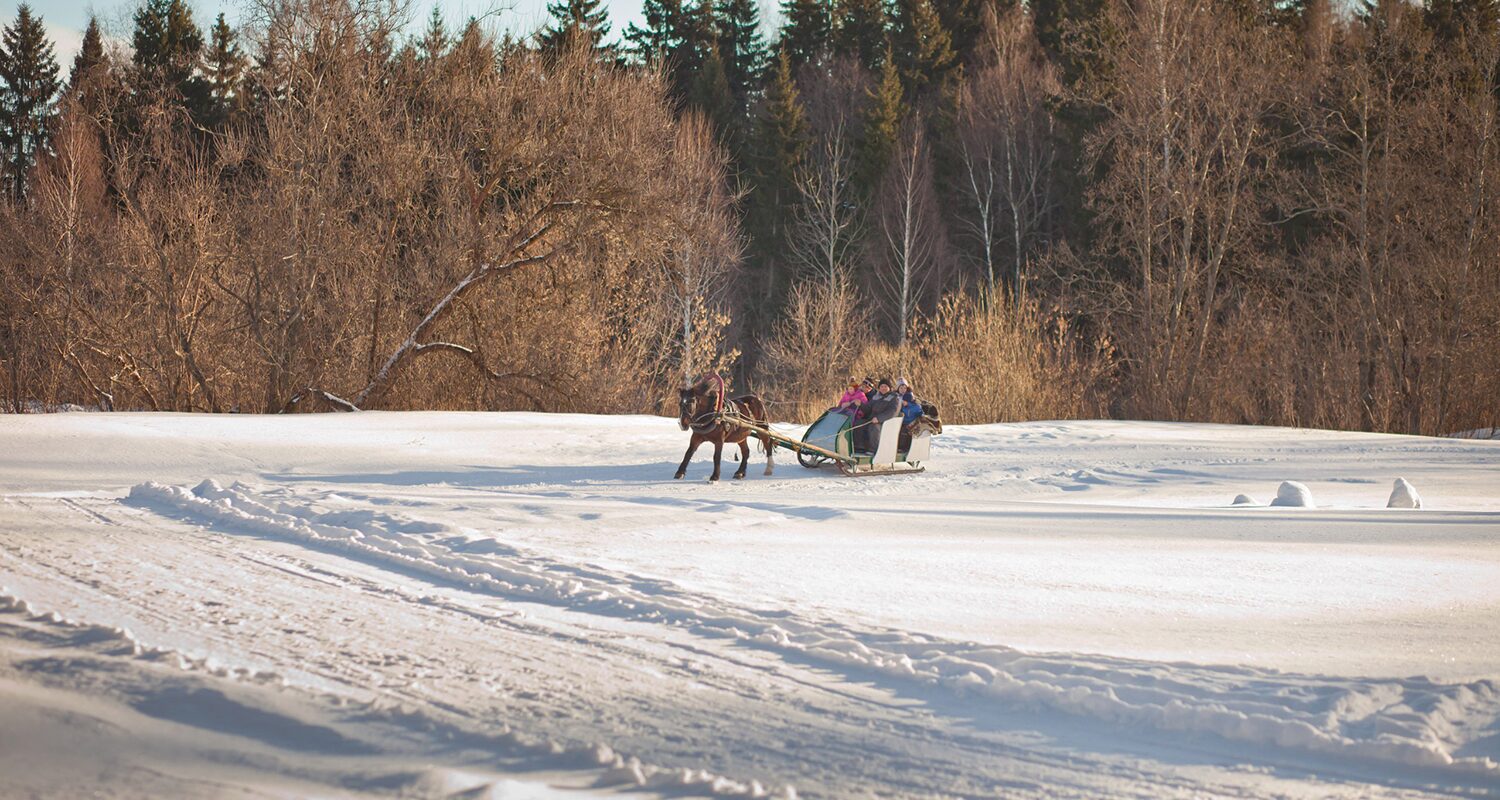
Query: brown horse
{"points": [[705, 411]]}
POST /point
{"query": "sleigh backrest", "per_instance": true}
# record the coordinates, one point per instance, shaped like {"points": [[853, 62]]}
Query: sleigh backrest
{"points": [[890, 437]]}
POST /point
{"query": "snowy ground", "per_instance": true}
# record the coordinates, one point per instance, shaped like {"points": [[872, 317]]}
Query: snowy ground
{"points": [[525, 606]]}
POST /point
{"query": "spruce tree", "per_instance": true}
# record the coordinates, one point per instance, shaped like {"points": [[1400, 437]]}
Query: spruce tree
{"points": [[781, 148], [711, 94], [1451, 20], [224, 67], [741, 48], [964, 19], [860, 31], [677, 36], [805, 36], [586, 20], [167, 49], [654, 42], [435, 39], [90, 56], [1073, 32], [28, 85], [882, 127], [923, 50]]}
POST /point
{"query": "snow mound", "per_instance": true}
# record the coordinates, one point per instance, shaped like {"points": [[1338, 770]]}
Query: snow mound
{"points": [[1414, 722], [1243, 500], [1404, 495], [1293, 495]]}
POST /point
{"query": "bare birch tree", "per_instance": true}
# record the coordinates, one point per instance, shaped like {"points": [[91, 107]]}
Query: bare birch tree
{"points": [[1182, 147], [912, 251], [1007, 144], [826, 226]]}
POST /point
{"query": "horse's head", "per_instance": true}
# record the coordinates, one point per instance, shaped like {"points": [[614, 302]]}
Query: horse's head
{"points": [[687, 405]]}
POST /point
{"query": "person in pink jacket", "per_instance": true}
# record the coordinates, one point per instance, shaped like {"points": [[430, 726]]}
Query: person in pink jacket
{"points": [[852, 399]]}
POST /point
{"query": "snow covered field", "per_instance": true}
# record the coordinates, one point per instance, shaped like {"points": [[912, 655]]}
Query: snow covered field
{"points": [[524, 605]]}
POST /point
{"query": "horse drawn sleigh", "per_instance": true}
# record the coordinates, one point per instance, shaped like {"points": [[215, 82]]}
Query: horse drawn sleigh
{"points": [[713, 417]]}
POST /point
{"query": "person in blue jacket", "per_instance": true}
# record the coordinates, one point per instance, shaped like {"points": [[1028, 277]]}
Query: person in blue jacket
{"points": [[911, 408]]}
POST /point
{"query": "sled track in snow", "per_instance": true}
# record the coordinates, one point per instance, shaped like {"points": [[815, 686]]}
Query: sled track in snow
{"points": [[1411, 722]]}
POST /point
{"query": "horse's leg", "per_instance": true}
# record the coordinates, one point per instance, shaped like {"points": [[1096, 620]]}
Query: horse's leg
{"points": [[692, 448], [718, 456], [744, 457], [770, 446]]}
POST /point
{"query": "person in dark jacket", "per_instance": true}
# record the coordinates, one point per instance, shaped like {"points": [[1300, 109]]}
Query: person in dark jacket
{"points": [[883, 405]]}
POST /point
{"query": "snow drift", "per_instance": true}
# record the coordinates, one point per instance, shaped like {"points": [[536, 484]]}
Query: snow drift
{"points": [[1412, 722]]}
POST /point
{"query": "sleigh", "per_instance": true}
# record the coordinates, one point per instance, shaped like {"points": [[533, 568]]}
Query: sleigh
{"points": [[830, 440]]}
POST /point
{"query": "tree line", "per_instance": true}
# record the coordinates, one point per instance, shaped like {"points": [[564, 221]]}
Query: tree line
{"points": [[1229, 210]]}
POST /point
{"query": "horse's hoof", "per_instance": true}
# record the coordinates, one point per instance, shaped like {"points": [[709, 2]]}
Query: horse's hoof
{"points": [[739, 476], [714, 479], [677, 477]]}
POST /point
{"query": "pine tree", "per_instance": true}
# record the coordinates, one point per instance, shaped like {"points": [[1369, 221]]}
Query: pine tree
{"points": [[860, 31], [474, 52], [1074, 32], [224, 67], [28, 85], [90, 55], [923, 49], [882, 126], [805, 36], [655, 42], [583, 19], [782, 142], [741, 47], [1451, 20], [711, 94], [435, 39], [167, 49], [963, 19], [677, 36]]}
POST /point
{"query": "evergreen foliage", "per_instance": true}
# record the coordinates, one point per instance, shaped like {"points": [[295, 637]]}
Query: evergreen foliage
{"points": [[860, 31], [224, 67], [882, 126], [923, 47], [741, 48], [90, 55], [435, 40], [805, 37], [712, 95], [574, 19], [167, 46], [676, 36], [28, 86], [781, 141], [1450, 20], [1074, 32]]}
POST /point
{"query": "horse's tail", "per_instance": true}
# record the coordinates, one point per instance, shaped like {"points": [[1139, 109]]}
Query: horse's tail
{"points": [[758, 411]]}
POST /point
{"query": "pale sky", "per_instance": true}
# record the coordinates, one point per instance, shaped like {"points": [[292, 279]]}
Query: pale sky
{"points": [[66, 19]]}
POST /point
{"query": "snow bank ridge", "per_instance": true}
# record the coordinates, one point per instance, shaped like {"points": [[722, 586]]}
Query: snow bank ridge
{"points": [[615, 769], [129, 645], [1413, 721]]}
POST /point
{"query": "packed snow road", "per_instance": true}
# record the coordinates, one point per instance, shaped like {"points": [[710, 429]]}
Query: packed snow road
{"points": [[522, 605]]}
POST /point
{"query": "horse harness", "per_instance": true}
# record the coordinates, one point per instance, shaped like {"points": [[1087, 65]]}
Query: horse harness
{"points": [[726, 414]]}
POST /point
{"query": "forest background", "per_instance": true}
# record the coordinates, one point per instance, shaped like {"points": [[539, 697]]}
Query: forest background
{"points": [[1220, 210]]}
